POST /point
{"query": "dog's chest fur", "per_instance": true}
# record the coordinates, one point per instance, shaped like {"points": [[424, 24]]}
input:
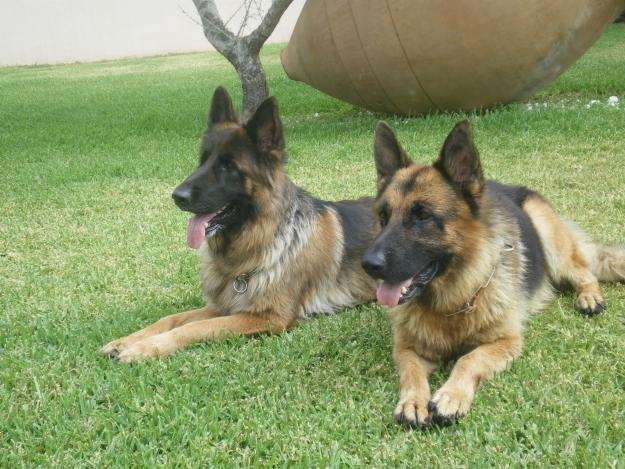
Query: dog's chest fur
{"points": [[297, 271]]}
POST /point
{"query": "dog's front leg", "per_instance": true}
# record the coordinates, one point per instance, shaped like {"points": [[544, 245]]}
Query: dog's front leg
{"points": [[414, 389], [166, 343], [454, 399], [113, 348]]}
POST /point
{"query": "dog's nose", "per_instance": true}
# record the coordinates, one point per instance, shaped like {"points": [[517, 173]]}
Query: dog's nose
{"points": [[182, 196], [374, 263]]}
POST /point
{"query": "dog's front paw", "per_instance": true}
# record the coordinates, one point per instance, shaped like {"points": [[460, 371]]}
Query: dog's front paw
{"points": [[590, 302], [450, 404], [411, 413], [115, 347], [152, 347]]}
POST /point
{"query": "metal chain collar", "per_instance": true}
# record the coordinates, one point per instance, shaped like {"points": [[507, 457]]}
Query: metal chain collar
{"points": [[469, 305]]}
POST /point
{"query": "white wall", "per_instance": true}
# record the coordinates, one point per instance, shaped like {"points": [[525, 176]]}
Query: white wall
{"points": [[62, 31]]}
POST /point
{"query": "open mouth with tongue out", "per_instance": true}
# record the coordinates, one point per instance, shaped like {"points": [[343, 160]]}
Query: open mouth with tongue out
{"points": [[392, 294], [207, 224]]}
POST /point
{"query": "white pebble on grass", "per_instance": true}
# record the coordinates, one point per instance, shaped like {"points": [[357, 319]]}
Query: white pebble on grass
{"points": [[592, 103]]}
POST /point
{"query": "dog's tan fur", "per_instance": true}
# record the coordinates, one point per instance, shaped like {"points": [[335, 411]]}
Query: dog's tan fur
{"points": [[294, 268], [431, 328]]}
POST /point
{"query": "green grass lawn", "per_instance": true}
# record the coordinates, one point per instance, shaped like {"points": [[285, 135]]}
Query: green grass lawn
{"points": [[92, 248]]}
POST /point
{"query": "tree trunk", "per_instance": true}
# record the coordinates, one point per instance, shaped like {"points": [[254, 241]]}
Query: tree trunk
{"points": [[253, 81], [242, 52]]}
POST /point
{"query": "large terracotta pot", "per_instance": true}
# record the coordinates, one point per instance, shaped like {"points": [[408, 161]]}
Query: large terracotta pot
{"points": [[416, 56]]}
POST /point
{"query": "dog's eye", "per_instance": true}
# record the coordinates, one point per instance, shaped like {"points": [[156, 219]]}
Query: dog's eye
{"points": [[419, 212], [225, 163]]}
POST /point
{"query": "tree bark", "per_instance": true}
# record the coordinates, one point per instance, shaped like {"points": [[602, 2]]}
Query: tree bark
{"points": [[242, 52], [253, 82]]}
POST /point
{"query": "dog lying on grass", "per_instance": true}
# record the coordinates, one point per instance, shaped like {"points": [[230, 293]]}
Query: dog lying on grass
{"points": [[463, 261], [270, 253]]}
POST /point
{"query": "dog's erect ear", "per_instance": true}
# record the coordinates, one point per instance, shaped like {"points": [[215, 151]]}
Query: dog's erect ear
{"points": [[221, 108], [460, 161], [265, 128], [389, 155]]}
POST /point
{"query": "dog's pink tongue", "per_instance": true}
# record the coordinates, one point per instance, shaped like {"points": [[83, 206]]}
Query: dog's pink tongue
{"points": [[389, 293], [196, 232]]}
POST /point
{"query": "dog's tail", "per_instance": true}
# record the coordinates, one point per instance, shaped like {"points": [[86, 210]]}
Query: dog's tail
{"points": [[608, 263]]}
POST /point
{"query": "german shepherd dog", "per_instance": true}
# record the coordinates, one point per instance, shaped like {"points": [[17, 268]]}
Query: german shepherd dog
{"points": [[270, 253], [463, 261]]}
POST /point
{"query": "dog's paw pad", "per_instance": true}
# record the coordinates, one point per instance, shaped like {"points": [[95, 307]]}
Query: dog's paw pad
{"points": [[593, 311], [590, 303], [441, 419], [115, 347], [449, 405], [109, 353], [112, 349], [135, 353], [409, 414], [152, 347]]}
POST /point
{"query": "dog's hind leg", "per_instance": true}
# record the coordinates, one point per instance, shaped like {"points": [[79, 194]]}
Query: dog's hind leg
{"points": [[570, 256], [113, 348], [166, 343]]}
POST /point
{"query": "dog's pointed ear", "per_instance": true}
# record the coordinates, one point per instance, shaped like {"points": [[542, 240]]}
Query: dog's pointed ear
{"points": [[389, 155], [221, 108], [459, 159], [265, 128]]}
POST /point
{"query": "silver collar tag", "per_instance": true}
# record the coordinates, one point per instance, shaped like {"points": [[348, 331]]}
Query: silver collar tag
{"points": [[240, 284]]}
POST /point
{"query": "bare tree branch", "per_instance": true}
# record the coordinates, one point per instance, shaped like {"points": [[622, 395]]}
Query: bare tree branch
{"points": [[257, 38], [243, 52], [239, 8], [214, 29], [248, 7], [184, 12]]}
